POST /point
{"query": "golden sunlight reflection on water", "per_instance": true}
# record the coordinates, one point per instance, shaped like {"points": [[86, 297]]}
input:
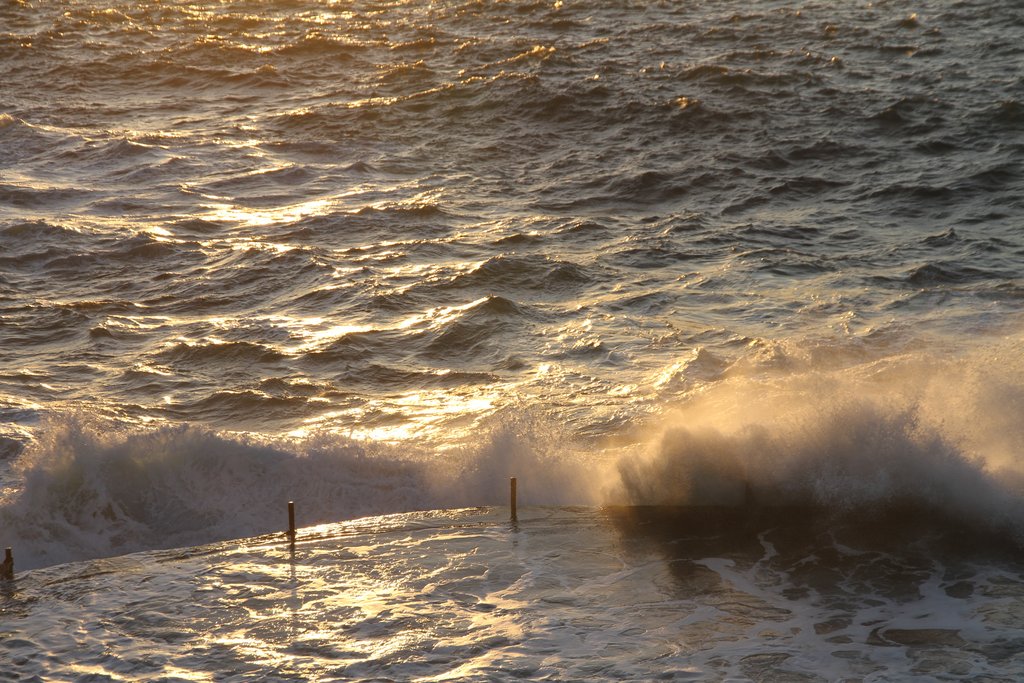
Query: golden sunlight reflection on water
{"points": [[566, 594], [389, 591], [253, 217], [410, 416]]}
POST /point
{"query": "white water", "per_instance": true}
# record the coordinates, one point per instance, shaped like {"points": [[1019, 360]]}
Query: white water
{"points": [[919, 431], [563, 595]]}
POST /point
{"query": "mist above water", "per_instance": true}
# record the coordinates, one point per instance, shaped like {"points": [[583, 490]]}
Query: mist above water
{"points": [[916, 433]]}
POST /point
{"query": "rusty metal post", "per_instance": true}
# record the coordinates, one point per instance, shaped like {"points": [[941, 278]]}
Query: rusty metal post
{"points": [[7, 566], [512, 499]]}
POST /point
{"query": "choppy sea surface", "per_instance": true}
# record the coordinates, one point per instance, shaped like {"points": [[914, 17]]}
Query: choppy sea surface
{"points": [[378, 257]]}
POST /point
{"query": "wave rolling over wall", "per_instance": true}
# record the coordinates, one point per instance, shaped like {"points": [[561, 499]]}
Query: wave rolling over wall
{"points": [[939, 434]]}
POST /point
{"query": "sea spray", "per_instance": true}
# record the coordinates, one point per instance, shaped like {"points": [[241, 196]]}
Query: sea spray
{"points": [[552, 468], [89, 488], [733, 254], [91, 491], [919, 430], [849, 457], [847, 439]]}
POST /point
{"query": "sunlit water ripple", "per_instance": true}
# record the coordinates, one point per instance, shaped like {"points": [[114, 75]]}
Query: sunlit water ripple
{"points": [[387, 220], [382, 256]]}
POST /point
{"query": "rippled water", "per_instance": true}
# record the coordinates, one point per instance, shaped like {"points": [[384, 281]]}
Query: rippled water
{"points": [[382, 256], [563, 595], [394, 219]]}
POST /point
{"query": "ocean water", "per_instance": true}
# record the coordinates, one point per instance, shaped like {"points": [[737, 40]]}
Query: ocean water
{"points": [[379, 257], [567, 594]]}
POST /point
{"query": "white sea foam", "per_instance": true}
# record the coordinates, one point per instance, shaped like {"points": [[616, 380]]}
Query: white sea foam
{"points": [[464, 595], [628, 253], [88, 489], [856, 439]]}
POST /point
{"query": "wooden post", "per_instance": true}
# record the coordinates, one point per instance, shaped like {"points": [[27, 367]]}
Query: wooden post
{"points": [[7, 566], [291, 520], [512, 499]]}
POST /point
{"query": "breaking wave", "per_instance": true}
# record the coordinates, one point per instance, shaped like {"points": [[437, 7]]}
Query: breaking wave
{"points": [[858, 441]]}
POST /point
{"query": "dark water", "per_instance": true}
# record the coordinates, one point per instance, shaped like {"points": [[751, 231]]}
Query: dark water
{"points": [[382, 256]]}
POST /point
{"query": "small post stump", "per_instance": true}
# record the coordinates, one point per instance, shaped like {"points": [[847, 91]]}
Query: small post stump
{"points": [[512, 499], [7, 566]]}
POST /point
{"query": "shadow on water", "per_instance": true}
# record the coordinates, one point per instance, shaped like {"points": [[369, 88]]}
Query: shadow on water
{"points": [[889, 551]]}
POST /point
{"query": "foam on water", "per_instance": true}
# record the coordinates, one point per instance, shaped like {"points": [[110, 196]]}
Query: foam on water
{"points": [[85, 488], [937, 436], [563, 594], [381, 258], [938, 431]]}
